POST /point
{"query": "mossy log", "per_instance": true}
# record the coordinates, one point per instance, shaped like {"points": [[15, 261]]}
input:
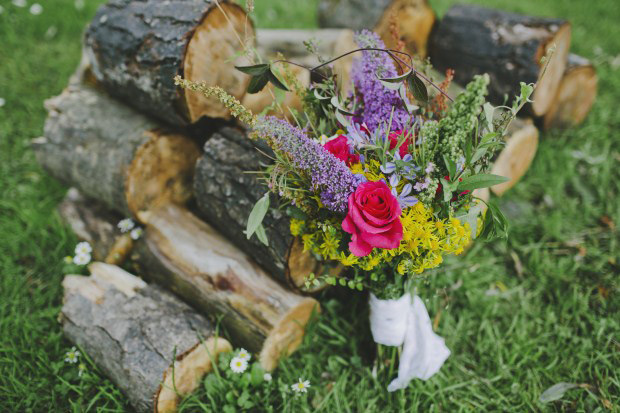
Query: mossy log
{"points": [[136, 48], [153, 346], [226, 191], [575, 97], [414, 19], [508, 46], [189, 257], [114, 154]]}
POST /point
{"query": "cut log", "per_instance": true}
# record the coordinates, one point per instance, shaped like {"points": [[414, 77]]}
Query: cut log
{"points": [[114, 154], [93, 223], [508, 46], [153, 346], [517, 156], [576, 95], [189, 257], [226, 193], [414, 19], [136, 48]]}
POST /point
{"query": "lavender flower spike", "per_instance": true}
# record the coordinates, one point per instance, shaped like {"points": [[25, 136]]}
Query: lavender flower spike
{"points": [[378, 100], [330, 176]]}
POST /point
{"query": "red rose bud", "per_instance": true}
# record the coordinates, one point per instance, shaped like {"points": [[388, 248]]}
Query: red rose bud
{"points": [[394, 137], [340, 148]]}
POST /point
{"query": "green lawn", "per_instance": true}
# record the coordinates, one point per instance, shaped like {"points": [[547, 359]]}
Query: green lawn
{"points": [[519, 316]]}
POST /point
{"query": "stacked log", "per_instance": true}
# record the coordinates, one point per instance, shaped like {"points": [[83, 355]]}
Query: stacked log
{"points": [[188, 257], [575, 97], [136, 48], [226, 192], [153, 346], [414, 20]]}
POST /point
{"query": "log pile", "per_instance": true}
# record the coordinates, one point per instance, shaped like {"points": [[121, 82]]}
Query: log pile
{"points": [[131, 144]]}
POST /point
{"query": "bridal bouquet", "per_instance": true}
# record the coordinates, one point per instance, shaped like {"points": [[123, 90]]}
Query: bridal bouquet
{"points": [[382, 179]]}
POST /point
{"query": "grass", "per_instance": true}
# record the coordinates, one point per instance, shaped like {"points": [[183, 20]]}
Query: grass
{"points": [[518, 316]]}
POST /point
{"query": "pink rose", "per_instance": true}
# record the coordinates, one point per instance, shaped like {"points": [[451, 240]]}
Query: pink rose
{"points": [[340, 148], [373, 219], [394, 137]]}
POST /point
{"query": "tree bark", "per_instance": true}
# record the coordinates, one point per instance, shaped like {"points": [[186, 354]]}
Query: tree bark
{"points": [[576, 95], [189, 257], [114, 154], [516, 157], [414, 20], [508, 46], [226, 192], [93, 223], [136, 48], [149, 343]]}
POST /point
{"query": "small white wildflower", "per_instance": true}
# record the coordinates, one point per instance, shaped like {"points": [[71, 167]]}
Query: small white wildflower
{"points": [[19, 3], [238, 365], [2, 102], [68, 259], [301, 386], [79, 4], [136, 233], [81, 259], [126, 225], [430, 168], [267, 377], [244, 354], [83, 248], [36, 9], [72, 356]]}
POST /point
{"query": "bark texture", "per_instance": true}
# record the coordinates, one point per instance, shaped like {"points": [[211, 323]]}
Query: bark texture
{"points": [[114, 154], [137, 47], [226, 193], [140, 336], [576, 95], [189, 257], [508, 46]]}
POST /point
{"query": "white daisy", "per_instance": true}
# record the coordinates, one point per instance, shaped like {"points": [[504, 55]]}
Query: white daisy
{"points": [[72, 356], [301, 386], [238, 365], [19, 3], [267, 377], [36, 9], [83, 248], [81, 259], [136, 233], [126, 225], [244, 354]]}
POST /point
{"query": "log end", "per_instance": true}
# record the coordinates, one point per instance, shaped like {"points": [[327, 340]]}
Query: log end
{"points": [[184, 376], [213, 43], [288, 333], [415, 19], [549, 82], [161, 171], [517, 156]]}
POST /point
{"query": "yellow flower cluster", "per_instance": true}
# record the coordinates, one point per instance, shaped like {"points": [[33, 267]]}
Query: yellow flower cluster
{"points": [[426, 240]]}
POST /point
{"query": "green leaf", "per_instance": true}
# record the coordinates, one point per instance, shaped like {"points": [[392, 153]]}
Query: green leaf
{"points": [[480, 181], [257, 83], [448, 189], [296, 213], [334, 101], [254, 70], [257, 374], [450, 166], [319, 96], [478, 154], [276, 82], [418, 88], [495, 223], [488, 114], [556, 392], [256, 216], [397, 79], [262, 235]]}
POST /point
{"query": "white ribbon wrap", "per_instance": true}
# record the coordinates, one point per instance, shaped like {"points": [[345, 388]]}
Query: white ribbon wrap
{"points": [[406, 322]]}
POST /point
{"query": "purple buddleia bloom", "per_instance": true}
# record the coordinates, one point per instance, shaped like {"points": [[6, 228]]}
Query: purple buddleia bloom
{"points": [[329, 175], [378, 100]]}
